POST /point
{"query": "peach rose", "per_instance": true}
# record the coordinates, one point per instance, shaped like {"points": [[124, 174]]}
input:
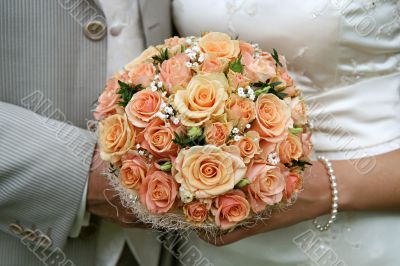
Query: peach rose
{"points": [[249, 146], [266, 187], [174, 71], [108, 100], [203, 98], [272, 118], [293, 184], [306, 144], [213, 64], [145, 56], [158, 192], [247, 51], [133, 172], [237, 79], [157, 138], [208, 171], [230, 209], [174, 44], [289, 149], [217, 133], [219, 45], [240, 111], [116, 136], [143, 107], [260, 69], [142, 74], [287, 85], [196, 212], [299, 110]]}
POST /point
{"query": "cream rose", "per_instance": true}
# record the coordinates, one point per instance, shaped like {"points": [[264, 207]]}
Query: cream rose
{"points": [[203, 98], [299, 110], [272, 118], [219, 45], [116, 136], [143, 107], [208, 171]]}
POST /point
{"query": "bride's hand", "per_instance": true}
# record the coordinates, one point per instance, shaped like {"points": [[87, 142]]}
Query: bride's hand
{"points": [[367, 184], [313, 201]]}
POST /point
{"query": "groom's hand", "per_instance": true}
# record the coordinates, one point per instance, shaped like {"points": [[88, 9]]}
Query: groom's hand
{"points": [[102, 199]]}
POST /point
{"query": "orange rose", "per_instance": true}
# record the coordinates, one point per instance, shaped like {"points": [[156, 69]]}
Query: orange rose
{"points": [[158, 192], [260, 69], [240, 111], [230, 209], [219, 45], [214, 64], [237, 80], [293, 184], [207, 171], [116, 136], [306, 144], [133, 172], [157, 138], [143, 107], [142, 74], [174, 72], [249, 146], [217, 133], [108, 100], [299, 110], [203, 98], [289, 149], [272, 118], [247, 51], [266, 186], [196, 212]]}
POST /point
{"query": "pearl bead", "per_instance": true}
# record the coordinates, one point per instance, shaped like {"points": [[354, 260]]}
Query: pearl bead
{"points": [[334, 205]]}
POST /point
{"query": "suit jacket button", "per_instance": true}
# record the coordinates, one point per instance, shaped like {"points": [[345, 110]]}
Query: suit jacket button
{"points": [[95, 30]]}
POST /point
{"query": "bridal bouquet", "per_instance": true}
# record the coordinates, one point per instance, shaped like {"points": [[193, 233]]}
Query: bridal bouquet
{"points": [[204, 132]]}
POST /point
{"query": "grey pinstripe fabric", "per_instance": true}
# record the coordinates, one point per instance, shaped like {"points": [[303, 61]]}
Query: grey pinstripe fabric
{"points": [[49, 66], [43, 47]]}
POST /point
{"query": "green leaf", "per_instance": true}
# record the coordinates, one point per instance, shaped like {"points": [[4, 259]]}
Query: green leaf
{"points": [[194, 137], [126, 91], [300, 163], [268, 88], [296, 130], [183, 48], [236, 65], [166, 167], [243, 183], [161, 57], [275, 56]]}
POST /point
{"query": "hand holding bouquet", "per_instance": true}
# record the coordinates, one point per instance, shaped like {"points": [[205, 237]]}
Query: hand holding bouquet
{"points": [[204, 132]]}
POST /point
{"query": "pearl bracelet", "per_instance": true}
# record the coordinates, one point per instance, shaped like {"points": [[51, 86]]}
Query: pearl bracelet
{"points": [[335, 196]]}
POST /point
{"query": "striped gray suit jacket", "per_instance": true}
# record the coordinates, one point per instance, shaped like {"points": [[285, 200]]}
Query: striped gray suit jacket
{"points": [[50, 74]]}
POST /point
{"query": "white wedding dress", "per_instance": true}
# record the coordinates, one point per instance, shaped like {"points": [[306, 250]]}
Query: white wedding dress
{"points": [[345, 55]]}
